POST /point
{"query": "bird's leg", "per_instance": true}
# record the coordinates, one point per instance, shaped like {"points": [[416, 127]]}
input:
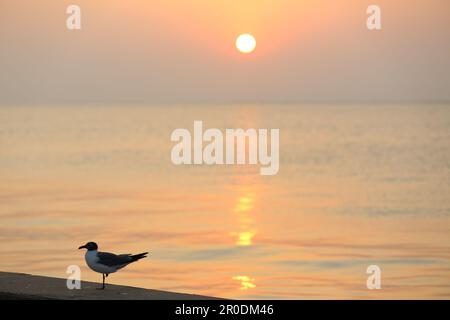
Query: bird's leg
{"points": [[103, 285]]}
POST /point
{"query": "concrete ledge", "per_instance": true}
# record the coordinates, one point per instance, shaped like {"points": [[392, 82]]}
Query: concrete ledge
{"points": [[21, 286]]}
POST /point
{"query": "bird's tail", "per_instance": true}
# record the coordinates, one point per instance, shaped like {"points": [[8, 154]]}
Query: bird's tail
{"points": [[138, 256]]}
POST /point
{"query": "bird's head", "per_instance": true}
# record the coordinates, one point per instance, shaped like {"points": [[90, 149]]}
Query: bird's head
{"points": [[89, 246]]}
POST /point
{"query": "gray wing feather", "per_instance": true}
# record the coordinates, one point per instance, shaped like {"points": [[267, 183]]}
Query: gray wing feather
{"points": [[113, 260]]}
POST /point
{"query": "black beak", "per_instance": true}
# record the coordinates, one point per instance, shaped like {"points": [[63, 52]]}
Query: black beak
{"points": [[82, 247]]}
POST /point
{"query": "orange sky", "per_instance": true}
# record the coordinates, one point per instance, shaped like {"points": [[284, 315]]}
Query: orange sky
{"points": [[183, 51]]}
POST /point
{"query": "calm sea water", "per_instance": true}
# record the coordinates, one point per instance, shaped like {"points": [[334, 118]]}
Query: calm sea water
{"points": [[358, 185]]}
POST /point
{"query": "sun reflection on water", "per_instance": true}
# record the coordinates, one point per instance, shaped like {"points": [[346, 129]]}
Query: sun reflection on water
{"points": [[246, 282], [243, 211], [244, 238], [245, 203]]}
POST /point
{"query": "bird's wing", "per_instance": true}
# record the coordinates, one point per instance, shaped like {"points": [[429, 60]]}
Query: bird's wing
{"points": [[111, 259]]}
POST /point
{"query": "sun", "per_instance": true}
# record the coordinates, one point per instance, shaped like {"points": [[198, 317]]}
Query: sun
{"points": [[246, 43]]}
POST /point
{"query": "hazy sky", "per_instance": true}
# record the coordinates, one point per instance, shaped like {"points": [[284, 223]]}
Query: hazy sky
{"points": [[182, 51]]}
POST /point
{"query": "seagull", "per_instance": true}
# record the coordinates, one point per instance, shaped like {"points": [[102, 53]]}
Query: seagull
{"points": [[105, 262]]}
